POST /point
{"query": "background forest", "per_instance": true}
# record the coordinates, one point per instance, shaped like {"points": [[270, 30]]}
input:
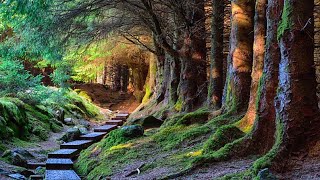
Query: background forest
{"points": [[219, 83]]}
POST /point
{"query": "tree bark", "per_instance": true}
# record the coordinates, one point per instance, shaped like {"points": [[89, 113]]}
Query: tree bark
{"points": [[296, 104], [193, 77], [240, 56], [247, 121], [215, 89]]}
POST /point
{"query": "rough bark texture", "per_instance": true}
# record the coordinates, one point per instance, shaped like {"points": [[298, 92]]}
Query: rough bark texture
{"points": [[240, 56], [257, 68], [192, 86], [264, 127], [215, 88], [296, 105]]}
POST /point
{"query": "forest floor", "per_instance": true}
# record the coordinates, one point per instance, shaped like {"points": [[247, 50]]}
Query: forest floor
{"points": [[105, 99]]}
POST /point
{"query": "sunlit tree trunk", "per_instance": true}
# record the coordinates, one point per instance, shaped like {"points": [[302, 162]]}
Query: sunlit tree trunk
{"points": [[247, 121], [296, 104], [215, 88], [240, 56]]}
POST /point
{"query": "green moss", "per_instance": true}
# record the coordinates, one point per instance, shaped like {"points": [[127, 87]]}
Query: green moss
{"points": [[148, 94], [199, 116], [266, 160], [178, 105], [286, 22], [41, 132], [224, 135], [172, 136]]}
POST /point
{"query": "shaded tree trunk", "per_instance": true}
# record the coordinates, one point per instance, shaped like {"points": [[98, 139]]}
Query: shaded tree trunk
{"points": [[296, 105], [238, 81], [124, 78], [215, 89], [192, 86]]}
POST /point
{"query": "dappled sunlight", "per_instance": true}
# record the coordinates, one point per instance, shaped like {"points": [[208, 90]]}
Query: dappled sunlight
{"points": [[121, 146]]}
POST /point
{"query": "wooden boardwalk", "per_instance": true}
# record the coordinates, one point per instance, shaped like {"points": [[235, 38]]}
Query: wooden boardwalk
{"points": [[59, 165]]}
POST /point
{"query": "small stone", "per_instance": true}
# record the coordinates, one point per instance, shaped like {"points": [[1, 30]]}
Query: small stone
{"points": [[40, 171], [68, 121], [71, 134], [265, 174], [17, 176]]}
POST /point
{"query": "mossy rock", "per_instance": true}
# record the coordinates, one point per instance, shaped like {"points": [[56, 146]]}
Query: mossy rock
{"points": [[133, 131], [147, 122]]}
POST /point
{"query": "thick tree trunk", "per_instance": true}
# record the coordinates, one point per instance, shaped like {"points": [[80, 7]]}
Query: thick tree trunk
{"points": [[296, 105], [124, 78], [240, 56], [215, 89], [192, 86], [247, 121]]}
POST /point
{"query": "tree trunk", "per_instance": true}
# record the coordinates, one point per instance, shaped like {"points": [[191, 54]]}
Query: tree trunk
{"points": [[124, 78], [247, 121], [240, 56], [215, 89], [193, 77], [296, 104]]}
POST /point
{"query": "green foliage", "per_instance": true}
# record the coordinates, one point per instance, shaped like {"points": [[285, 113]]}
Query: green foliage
{"points": [[14, 78]]}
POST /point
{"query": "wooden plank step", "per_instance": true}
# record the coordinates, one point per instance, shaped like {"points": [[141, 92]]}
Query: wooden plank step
{"points": [[61, 175], [122, 115], [95, 136], [78, 144], [35, 165], [114, 122], [64, 153], [59, 164], [119, 118], [105, 128], [123, 112], [36, 177]]}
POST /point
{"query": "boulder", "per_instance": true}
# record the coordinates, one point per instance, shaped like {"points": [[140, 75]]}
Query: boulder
{"points": [[24, 153], [148, 122], [68, 121], [84, 123], [71, 134], [133, 131], [265, 174], [59, 115], [19, 160]]}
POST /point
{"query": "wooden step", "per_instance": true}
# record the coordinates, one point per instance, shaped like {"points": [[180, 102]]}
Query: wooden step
{"points": [[121, 118], [61, 175], [122, 115], [59, 164], [35, 165], [79, 144], [114, 122], [36, 177], [105, 128], [64, 153], [123, 112], [95, 136]]}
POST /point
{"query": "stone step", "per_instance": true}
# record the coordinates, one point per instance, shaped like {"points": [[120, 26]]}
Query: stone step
{"points": [[64, 153], [95, 136], [35, 165], [36, 177], [105, 128], [59, 164], [123, 112], [78, 144], [114, 122], [119, 118], [61, 175]]}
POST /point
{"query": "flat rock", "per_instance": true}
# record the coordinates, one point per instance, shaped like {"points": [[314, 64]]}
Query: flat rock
{"points": [[114, 122], [61, 175]]}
